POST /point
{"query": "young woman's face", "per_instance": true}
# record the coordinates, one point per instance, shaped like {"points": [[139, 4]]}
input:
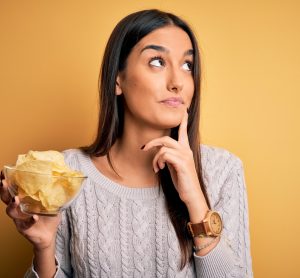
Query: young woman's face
{"points": [[157, 82]]}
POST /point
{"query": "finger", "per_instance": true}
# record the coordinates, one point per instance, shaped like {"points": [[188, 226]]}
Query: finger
{"points": [[155, 162], [13, 210], [24, 224], [161, 164], [160, 159], [5, 195], [159, 142], [169, 159], [182, 132]]}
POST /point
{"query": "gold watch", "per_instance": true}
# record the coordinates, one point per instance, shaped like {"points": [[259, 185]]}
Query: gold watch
{"points": [[212, 225]]}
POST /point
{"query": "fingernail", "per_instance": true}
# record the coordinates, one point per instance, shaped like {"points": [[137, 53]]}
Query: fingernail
{"points": [[13, 199], [142, 147]]}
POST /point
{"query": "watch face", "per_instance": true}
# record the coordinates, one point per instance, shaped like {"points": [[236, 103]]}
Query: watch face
{"points": [[216, 223]]}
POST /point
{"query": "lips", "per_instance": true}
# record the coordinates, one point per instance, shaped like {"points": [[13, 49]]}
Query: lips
{"points": [[173, 101]]}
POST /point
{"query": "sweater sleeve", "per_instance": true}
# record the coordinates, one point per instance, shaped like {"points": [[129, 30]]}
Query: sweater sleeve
{"points": [[62, 256], [62, 252], [231, 257]]}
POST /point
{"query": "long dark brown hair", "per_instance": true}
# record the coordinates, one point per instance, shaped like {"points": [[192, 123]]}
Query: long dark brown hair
{"points": [[128, 32]]}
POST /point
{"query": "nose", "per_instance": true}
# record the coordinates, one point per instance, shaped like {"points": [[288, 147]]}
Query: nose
{"points": [[175, 81]]}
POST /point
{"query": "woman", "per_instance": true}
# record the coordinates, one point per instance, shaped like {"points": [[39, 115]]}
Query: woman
{"points": [[151, 185]]}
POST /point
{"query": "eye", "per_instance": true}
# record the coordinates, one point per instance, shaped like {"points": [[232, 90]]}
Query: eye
{"points": [[157, 62], [188, 66]]}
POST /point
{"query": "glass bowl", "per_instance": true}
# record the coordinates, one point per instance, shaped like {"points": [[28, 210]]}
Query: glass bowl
{"points": [[42, 194]]}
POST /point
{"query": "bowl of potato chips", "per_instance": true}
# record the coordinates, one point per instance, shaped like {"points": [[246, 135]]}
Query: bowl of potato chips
{"points": [[43, 182]]}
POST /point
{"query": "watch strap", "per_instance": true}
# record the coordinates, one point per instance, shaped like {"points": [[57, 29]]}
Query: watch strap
{"points": [[197, 230]]}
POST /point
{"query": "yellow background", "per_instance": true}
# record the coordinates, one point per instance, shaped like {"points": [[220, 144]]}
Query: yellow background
{"points": [[50, 55]]}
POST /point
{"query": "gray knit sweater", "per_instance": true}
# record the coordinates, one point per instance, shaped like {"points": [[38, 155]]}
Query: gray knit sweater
{"points": [[115, 231]]}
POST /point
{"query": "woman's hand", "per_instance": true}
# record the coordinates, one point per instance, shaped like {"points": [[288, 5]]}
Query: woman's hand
{"points": [[39, 230], [179, 159]]}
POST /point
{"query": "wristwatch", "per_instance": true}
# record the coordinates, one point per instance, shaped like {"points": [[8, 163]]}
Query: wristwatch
{"points": [[212, 226]]}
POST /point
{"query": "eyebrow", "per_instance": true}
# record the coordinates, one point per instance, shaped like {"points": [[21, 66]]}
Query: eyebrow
{"points": [[160, 48]]}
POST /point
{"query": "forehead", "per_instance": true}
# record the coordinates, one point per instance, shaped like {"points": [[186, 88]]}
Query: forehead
{"points": [[170, 37]]}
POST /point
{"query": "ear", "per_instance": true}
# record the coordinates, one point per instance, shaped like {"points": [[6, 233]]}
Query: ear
{"points": [[118, 86]]}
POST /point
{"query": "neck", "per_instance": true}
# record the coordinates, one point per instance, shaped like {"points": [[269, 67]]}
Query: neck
{"points": [[126, 153], [127, 149]]}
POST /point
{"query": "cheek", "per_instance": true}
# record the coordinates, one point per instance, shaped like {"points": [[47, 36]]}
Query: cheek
{"points": [[190, 91], [142, 86], [133, 83], [131, 89], [134, 93]]}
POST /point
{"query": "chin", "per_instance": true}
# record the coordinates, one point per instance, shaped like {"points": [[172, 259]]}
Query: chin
{"points": [[168, 122]]}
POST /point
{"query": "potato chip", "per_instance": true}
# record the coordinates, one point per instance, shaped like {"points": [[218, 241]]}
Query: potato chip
{"points": [[36, 166], [22, 194], [46, 178], [31, 182], [51, 156], [21, 159], [53, 196]]}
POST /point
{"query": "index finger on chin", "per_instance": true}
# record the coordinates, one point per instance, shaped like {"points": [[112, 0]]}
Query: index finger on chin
{"points": [[182, 132]]}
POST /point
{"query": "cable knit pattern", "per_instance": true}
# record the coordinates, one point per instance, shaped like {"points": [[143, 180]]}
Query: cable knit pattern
{"points": [[115, 231], [124, 240], [173, 252], [105, 211], [91, 216], [62, 242], [79, 226], [141, 226], [159, 241]]}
